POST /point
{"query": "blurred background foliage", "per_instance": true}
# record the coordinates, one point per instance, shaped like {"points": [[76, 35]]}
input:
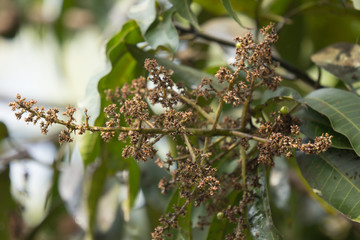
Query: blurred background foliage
{"points": [[55, 52]]}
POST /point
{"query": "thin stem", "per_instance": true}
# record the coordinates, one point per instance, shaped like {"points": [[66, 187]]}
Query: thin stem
{"points": [[243, 167], [246, 106], [149, 124], [217, 141], [223, 153], [187, 142], [195, 106], [297, 72]]}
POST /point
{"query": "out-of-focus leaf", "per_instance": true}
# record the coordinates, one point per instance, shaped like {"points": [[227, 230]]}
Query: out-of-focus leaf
{"points": [[3, 131], [341, 59], [183, 8], [163, 32], [144, 13], [231, 11], [314, 124], [335, 177], [274, 105], [356, 4], [183, 74], [216, 7], [281, 92], [184, 231], [273, 101], [259, 213], [342, 109], [220, 227], [124, 68], [89, 147], [94, 191], [8, 216], [134, 181]]}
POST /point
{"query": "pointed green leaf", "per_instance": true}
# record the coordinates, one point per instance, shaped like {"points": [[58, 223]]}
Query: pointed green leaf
{"points": [[163, 32], [314, 124], [183, 8], [335, 177], [231, 11], [259, 212], [342, 109]]}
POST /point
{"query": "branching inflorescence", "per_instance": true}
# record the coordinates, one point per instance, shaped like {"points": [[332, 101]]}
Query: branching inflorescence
{"points": [[129, 119]]}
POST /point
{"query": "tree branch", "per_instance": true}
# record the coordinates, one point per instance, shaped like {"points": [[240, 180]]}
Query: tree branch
{"points": [[289, 67]]}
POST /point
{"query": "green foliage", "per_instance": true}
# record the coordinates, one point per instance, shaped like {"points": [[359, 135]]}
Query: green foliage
{"points": [[341, 108], [334, 177], [329, 179]]}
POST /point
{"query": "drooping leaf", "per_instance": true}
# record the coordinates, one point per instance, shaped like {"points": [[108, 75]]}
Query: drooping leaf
{"points": [[3, 131], [94, 191], [259, 212], [231, 12], [335, 177], [314, 124], [342, 109], [8, 215], [341, 59], [144, 13], [124, 68], [183, 8], [163, 32]]}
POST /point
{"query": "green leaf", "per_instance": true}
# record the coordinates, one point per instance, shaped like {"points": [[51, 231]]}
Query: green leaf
{"points": [[342, 109], [314, 124], [184, 230], [342, 60], [183, 8], [220, 227], [274, 105], [259, 212], [89, 147], [231, 11], [335, 177], [124, 68], [144, 13], [134, 180], [281, 92], [9, 215], [3, 131], [97, 181], [163, 32], [274, 101]]}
